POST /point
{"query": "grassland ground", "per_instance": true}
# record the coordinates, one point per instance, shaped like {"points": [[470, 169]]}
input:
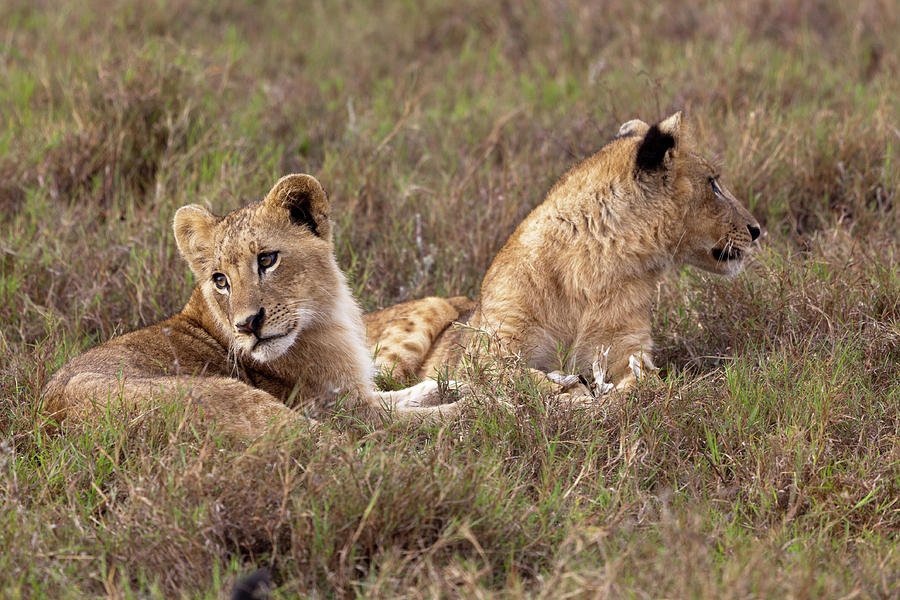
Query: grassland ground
{"points": [[764, 462]]}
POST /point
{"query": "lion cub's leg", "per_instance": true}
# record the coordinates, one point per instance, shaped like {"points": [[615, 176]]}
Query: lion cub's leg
{"points": [[632, 368], [422, 400], [241, 410]]}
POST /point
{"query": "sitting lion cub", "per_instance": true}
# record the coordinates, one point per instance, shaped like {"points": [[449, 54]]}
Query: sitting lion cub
{"points": [[272, 324], [574, 285]]}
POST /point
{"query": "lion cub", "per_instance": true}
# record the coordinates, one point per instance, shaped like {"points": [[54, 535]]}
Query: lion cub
{"points": [[271, 325], [573, 287]]}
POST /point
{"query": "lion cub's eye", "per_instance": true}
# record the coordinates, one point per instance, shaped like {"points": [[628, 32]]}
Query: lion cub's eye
{"points": [[266, 260], [714, 182], [220, 280]]}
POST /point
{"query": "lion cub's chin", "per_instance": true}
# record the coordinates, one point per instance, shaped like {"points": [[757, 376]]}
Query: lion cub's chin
{"points": [[734, 267], [717, 265], [270, 348], [731, 267], [724, 269]]}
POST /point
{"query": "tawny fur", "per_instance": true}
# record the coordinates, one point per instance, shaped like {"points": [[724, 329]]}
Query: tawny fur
{"points": [[403, 336], [581, 271], [308, 351]]}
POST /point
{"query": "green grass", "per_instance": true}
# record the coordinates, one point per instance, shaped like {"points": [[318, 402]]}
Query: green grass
{"points": [[764, 462]]}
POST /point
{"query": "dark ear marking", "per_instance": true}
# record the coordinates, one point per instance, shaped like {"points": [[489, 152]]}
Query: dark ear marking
{"points": [[653, 149], [305, 200], [302, 215]]}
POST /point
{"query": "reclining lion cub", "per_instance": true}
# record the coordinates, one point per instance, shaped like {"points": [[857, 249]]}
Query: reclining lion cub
{"points": [[574, 285], [272, 324]]}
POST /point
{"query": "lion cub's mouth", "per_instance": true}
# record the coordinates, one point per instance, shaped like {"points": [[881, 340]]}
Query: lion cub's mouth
{"points": [[271, 347], [265, 340], [726, 254]]}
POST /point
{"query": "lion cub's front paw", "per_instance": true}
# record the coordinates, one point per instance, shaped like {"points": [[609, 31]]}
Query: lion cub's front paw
{"points": [[600, 366], [568, 384], [573, 387], [641, 366], [450, 391], [428, 393], [566, 380]]}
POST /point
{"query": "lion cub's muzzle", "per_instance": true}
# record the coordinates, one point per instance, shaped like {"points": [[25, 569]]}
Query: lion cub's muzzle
{"points": [[253, 324], [259, 335], [731, 252], [727, 253]]}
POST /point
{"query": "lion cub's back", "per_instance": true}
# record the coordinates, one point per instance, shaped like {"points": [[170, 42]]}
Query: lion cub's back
{"points": [[174, 347]]}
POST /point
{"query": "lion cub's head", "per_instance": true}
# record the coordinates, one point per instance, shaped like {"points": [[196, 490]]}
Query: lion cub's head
{"points": [[267, 270], [711, 229]]}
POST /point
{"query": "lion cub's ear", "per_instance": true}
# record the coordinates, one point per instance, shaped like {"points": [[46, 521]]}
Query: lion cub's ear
{"points": [[660, 142], [632, 127], [193, 232], [305, 200]]}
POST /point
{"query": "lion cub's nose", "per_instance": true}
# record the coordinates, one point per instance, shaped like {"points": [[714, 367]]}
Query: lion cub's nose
{"points": [[253, 323], [754, 232]]}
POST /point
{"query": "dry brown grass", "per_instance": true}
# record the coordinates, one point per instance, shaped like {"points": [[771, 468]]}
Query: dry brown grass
{"points": [[765, 462]]}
